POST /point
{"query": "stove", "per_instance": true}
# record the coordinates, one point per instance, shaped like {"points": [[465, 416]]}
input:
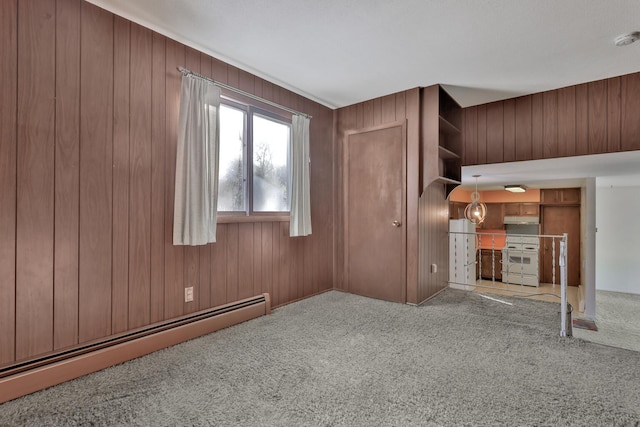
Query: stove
{"points": [[520, 260]]}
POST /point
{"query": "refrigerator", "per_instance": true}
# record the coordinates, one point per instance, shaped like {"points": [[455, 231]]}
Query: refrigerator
{"points": [[462, 253]]}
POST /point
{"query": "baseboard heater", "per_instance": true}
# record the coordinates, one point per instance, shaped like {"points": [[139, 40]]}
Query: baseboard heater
{"points": [[36, 374]]}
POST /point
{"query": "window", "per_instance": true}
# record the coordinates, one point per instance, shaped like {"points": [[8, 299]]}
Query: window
{"points": [[255, 165]]}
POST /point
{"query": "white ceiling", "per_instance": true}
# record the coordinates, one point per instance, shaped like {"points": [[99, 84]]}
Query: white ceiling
{"points": [[340, 52]]}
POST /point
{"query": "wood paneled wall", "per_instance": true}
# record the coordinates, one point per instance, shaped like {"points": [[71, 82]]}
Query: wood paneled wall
{"points": [[400, 106], [434, 241], [88, 121], [590, 118]]}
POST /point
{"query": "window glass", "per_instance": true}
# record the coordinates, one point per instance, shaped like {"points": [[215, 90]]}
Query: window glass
{"points": [[271, 164], [232, 173]]}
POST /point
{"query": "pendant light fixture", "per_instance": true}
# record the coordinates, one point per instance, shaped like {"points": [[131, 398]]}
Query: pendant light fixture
{"points": [[475, 211]]}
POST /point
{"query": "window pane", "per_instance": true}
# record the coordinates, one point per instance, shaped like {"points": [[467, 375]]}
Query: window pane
{"points": [[270, 165], [231, 187]]}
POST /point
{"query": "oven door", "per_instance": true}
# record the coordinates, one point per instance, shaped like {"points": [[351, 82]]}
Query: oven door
{"points": [[520, 267]]}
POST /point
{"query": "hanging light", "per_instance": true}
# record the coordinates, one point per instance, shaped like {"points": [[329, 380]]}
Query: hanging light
{"points": [[475, 211]]}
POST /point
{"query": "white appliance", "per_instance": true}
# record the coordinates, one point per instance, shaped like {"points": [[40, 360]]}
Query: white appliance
{"points": [[462, 253], [520, 260]]}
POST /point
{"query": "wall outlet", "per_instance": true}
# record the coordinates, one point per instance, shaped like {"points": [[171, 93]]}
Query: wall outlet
{"points": [[188, 294], [434, 268]]}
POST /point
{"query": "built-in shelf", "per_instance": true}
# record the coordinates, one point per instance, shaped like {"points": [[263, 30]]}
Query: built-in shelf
{"points": [[447, 127], [445, 180], [446, 154]]}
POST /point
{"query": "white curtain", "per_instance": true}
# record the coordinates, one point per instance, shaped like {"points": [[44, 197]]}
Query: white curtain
{"points": [[300, 224], [196, 192]]}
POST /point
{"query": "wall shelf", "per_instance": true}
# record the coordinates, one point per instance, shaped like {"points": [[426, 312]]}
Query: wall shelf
{"points": [[447, 127]]}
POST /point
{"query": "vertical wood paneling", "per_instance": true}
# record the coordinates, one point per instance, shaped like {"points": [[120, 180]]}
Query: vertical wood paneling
{"points": [[245, 260], [414, 189], [495, 137], [89, 114], [524, 133], [285, 263], [401, 105], [257, 259], [582, 119], [309, 275], [630, 106], [597, 116], [65, 307], [509, 117], [35, 177], [537, 141], [219, 267], [613, 114], [140, 179], [8, 147], [367, 113], [191, 253], [550, 124], [232, 262], [294, 257], [388, 109], [121, 161], [471, 136], [204, 278], [158, 102], [219, 70], [96, 153], [267, 258], [482, 134], [566, 122], [377, 112], [276, 259], [173, 255]]}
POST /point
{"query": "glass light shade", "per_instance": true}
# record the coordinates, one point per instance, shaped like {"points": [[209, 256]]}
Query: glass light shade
{"points": [[475, 211]]}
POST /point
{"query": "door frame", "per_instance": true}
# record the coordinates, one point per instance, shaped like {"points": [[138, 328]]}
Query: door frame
{"points": [[402, 124]]}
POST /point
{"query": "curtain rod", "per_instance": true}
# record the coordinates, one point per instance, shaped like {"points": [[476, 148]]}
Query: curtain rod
{"points": [[186, 72]]}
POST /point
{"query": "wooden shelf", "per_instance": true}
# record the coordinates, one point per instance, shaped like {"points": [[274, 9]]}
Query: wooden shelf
{"points": [[446, 154], [446, 180], [447, 127]]}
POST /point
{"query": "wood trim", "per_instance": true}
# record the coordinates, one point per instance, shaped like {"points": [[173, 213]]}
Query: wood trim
{"points": [[42, 377]]}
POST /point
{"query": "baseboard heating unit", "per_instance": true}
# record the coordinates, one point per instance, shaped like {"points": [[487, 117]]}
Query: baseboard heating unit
{"points": [[36, 374]]}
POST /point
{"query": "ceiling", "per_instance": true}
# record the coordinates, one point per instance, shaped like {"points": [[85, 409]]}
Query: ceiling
{"points": [[340, 52]]}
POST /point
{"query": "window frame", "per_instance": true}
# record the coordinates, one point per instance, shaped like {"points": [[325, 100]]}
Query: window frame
{"points": [[249, 215]]}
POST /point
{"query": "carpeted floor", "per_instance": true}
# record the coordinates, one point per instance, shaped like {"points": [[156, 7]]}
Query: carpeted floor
{"points": [[342, 360], [617, 319]]}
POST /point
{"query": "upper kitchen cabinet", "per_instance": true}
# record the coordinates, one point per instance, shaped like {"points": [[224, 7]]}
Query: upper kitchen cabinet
{"points": [[440, 138], [521, 209], [560, 196], [494, 219]]}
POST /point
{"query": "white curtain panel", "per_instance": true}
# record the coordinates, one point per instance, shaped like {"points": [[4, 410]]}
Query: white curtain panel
{"points": [[300, 224], [196, 192]]}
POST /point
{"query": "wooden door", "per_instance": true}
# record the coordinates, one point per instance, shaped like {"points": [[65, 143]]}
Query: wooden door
{"points": [[375, 236], [557, 220]]}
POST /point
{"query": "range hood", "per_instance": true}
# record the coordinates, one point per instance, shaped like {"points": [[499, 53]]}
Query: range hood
{"points": [[521, 220]]}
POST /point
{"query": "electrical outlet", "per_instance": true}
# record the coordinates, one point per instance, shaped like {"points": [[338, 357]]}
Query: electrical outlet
{"points": [[188, 294], [434, 268]]}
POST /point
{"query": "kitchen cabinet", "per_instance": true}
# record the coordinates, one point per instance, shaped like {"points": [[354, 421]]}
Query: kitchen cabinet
{"points": [[495, 217], [560, 196], [490, 264], [521, 209]]}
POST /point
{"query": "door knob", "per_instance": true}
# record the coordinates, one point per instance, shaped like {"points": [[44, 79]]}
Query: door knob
{"points": [[396, 223]]}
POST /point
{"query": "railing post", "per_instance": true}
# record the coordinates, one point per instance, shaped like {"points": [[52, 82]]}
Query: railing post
{"points": [[563, 285]]}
